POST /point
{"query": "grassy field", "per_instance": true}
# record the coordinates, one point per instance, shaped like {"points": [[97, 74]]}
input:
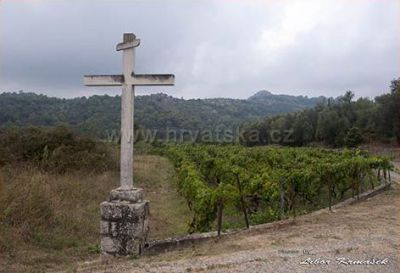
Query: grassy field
{"points": [[51, 221]]}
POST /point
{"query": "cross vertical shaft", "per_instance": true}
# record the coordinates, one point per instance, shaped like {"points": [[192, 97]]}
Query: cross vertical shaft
{"points": [[127, 119], [128, 80]]}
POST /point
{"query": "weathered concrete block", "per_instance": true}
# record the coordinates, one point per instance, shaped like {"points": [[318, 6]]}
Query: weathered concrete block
{"points": [[115, 229], [124, 227], [116, 210], [110, 211], [135, 246], [104, 227], [132, 195], [110, 245]]}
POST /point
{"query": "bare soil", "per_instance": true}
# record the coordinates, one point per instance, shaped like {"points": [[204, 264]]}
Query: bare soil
{"points": [[364, 231]]}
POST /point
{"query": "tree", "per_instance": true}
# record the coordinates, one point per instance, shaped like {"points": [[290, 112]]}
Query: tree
{"points": [[328, 126], [395, 92], [353, 137]]}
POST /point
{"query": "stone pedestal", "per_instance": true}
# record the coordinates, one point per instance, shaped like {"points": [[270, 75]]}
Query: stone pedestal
{"points": [[124, 222]]}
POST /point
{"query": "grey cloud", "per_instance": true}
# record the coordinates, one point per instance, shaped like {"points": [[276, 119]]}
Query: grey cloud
{"points": [[215, 48]]}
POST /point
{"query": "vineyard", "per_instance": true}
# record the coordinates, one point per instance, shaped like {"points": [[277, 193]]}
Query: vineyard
{"points": [[233, 186]]}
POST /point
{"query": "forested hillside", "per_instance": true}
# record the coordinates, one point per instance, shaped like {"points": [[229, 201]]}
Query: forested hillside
{"points": [[264, 118], [100, 115], [336, 122]]}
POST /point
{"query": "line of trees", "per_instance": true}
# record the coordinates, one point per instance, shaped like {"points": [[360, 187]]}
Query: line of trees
{"points": [[336, 122]]}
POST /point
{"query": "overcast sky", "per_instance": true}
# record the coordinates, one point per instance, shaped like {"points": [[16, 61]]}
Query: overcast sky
{"points": [[225, 48]]}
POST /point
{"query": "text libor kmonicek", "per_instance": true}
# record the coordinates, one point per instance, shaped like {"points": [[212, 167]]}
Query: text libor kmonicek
{"points": [[344, 261]]}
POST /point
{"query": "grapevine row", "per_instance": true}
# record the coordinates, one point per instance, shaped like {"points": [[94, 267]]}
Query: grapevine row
{"points": [[269, 183]]}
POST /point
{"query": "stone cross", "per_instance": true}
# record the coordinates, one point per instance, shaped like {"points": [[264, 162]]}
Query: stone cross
{"points": [[124, 224], [128, 80]]}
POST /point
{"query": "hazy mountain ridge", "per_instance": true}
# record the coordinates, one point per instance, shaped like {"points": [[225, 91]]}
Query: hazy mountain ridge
{"points": [[267, 97], [96, 115]]}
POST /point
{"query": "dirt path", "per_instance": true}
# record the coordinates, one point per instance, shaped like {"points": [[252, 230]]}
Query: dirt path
{"points": [[367, 230]]}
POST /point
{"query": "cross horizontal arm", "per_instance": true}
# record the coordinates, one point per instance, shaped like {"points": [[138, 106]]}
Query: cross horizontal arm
{"points": [[153, 79], [137, 80], [103, 80]]}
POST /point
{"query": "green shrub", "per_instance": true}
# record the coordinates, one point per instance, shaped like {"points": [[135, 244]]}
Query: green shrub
{"points": [[353, 137], [55, 150], [94, 248], [264, 216]]}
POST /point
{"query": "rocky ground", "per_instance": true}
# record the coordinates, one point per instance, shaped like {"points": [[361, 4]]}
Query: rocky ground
{"points": [[366, 231]]}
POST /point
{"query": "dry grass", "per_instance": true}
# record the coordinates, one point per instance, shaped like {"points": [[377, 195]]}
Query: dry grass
{"points": [[50, 221], [168, 211]]}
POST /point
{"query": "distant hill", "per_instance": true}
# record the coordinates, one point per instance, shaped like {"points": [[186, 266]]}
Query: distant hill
{"points": [[100, 115], [285, 103]]}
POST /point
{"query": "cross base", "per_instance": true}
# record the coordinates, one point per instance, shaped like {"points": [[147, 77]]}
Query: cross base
{"points": [[132, 195], [124, 222]]}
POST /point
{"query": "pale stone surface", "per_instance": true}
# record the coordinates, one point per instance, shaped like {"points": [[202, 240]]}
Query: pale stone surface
{"points": [[109, 245], [128, 80], [130, 212], [132, 195], [104, 227], [124, 225]]}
